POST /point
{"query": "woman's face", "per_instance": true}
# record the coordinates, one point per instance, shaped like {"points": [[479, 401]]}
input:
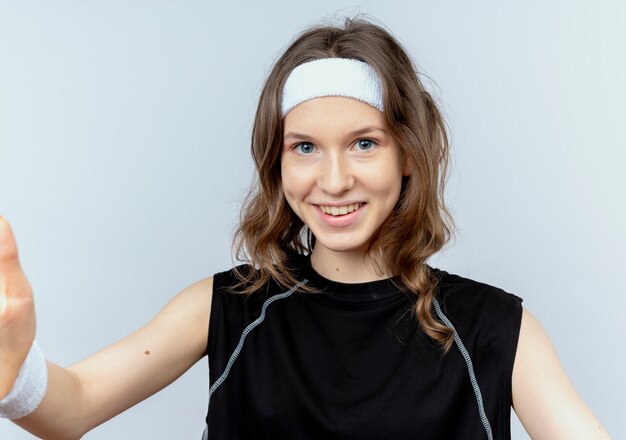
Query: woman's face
{"points": [[341, 171]]}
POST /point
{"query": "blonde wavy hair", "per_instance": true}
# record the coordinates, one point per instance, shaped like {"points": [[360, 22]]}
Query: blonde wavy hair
{"points": [[420, 224]]}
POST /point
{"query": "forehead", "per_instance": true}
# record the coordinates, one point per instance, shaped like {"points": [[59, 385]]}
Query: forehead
{"points": [[332, 113]]}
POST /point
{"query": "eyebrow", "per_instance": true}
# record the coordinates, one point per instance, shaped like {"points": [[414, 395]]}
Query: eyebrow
{"points": [[360, 131]]}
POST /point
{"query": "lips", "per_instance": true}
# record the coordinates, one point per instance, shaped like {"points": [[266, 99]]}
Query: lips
{"points": [[339, 220], [340, 210]]}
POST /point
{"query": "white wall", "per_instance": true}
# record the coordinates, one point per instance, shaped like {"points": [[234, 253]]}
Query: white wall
{"points": [[124, 133]]}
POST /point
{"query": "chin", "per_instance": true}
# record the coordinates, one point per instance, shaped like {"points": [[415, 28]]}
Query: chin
{"points": [[342, 245]]}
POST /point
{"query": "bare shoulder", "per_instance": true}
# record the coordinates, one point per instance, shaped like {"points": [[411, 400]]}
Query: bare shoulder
{"points": [[189, 312], [187, 316], [544, 399]]}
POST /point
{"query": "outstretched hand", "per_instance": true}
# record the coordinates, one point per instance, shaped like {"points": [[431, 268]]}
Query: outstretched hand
{"points": [[17, 311]]}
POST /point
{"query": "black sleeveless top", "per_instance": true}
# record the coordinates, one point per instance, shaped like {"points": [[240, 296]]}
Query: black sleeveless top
{"points": [[350, 361]]}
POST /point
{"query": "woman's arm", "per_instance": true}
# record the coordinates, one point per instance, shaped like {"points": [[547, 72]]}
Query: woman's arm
{"points": [[116, 378], [543, 397], [107, 383]]}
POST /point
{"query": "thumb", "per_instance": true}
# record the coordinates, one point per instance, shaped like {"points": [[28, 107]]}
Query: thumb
{"points": [[9, 260], [10, 268]]}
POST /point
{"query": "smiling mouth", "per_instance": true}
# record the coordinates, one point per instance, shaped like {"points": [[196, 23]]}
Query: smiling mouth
{"points": [[336, 211]]}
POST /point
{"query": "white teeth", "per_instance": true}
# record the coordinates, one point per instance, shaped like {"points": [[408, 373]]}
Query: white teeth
{"points": [[340, 210]]}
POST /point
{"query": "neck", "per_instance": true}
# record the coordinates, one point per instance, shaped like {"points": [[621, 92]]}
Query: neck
{"points": [[346, 267]]}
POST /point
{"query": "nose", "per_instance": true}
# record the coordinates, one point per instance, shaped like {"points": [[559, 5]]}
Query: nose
{"points": [[335, 176]]}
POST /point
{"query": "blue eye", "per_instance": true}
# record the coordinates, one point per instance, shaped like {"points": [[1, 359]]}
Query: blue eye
{"points": [[304, 148], [365, 144]]}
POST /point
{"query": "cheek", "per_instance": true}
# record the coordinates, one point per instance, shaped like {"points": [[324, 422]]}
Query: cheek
{"points": [[384, 181], [296, 181], [290, 183], [293, 188], [394, 186]]}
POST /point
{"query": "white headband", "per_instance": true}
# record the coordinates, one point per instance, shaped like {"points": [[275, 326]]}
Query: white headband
{"points": [[332, 77]]}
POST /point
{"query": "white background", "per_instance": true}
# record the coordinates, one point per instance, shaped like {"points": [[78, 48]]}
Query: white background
{"points": [[124, 156]]}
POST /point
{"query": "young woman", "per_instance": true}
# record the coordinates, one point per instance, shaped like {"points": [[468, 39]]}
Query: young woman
{"points": [[337, 327]]}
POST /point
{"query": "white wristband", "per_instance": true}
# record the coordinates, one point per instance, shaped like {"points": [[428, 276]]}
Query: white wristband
{"points": [[30, 386]]}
